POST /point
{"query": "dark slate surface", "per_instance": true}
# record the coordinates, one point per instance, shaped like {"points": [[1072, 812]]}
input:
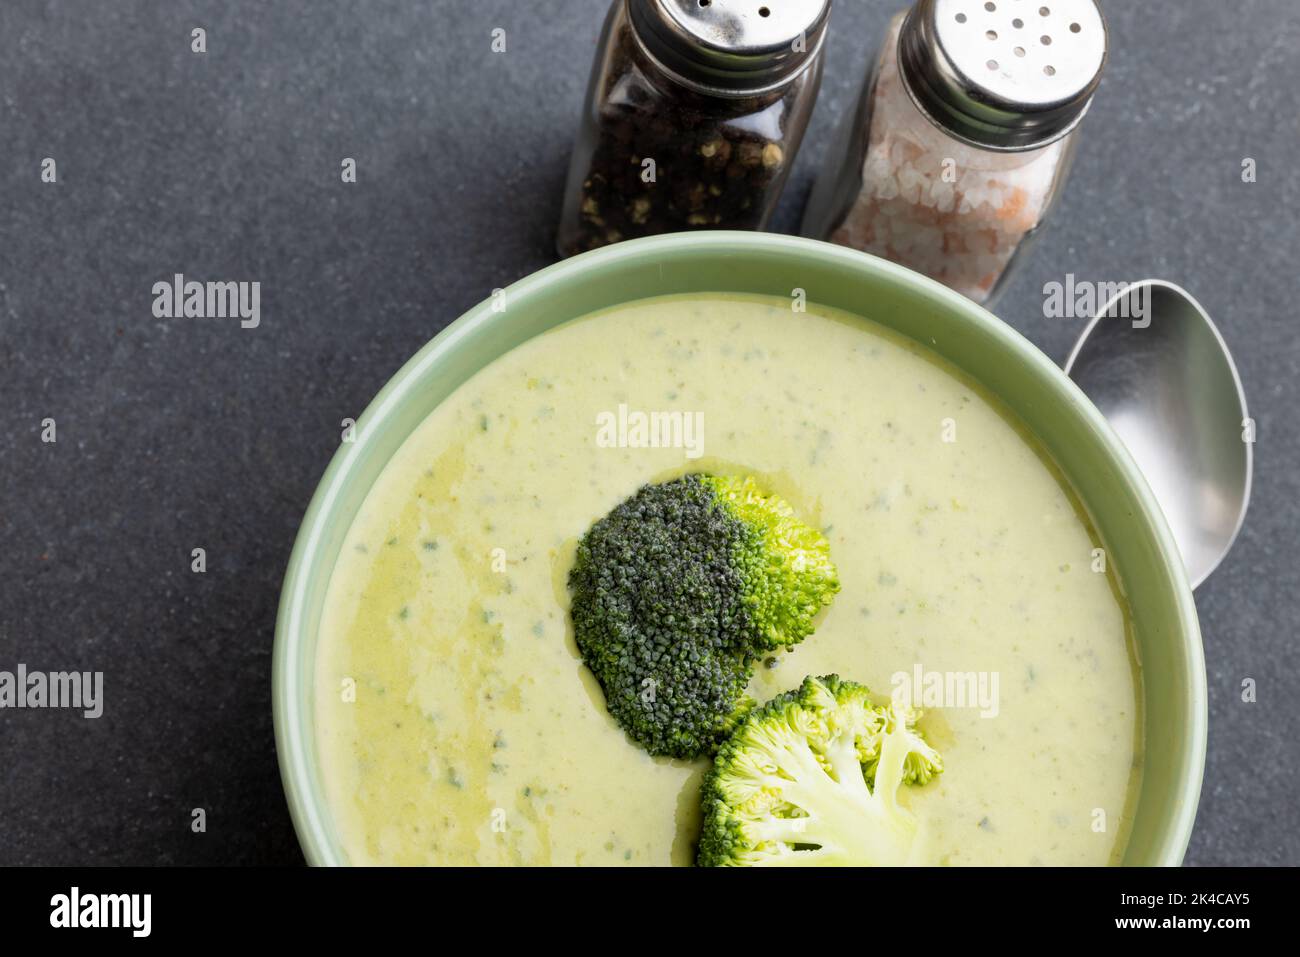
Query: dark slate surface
{"points": [[173, 435]]}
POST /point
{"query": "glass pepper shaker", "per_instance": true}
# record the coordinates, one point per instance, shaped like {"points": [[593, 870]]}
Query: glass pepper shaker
{"points": [[693, 116], [963, 137]]}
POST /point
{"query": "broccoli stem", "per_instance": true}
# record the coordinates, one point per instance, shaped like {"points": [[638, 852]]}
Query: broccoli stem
{"points": [[853, 826]]}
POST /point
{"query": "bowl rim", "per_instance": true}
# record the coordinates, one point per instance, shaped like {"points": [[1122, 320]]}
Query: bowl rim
{"points": [[306, 804]]}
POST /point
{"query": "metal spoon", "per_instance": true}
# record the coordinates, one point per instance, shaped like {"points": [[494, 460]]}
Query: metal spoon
{"points": [[1157, 368]]}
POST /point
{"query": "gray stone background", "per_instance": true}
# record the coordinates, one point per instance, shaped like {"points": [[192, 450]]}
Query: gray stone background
{"points": [[174, 434]]}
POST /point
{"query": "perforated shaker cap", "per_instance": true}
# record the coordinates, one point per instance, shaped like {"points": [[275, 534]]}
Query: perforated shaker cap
{"points": [[731, 47], [1003, 74]]}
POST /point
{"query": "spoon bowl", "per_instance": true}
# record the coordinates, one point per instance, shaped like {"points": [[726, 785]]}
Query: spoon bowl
{"points": [[1156, 366]]}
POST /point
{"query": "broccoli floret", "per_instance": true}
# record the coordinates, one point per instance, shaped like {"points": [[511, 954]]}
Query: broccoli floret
{"points": [[811, 778], [679, 590]]}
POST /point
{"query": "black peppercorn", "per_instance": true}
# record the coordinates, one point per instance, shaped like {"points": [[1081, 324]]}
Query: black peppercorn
{"points": [[682, 132]]}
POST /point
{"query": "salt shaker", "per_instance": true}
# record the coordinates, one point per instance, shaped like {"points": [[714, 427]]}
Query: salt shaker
{"points": [[963, 137], [693, 116]]}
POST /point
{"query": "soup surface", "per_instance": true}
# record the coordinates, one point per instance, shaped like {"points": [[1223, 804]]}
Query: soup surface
{"points": [[457, 724]]}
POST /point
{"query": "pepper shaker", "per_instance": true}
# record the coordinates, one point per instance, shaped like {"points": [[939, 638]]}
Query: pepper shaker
{"points": [[963, 137], [693, 116]]}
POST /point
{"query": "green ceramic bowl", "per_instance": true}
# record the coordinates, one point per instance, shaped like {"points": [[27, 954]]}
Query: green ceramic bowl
{"points": [[1139, 545]]}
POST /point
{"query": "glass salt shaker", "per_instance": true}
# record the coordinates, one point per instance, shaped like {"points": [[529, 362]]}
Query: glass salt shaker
{"points": [[693, 116], [963, 137]]}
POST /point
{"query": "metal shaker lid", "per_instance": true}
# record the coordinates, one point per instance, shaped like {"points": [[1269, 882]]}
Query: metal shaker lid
{"points": [[731, 47], [1003, 74]]}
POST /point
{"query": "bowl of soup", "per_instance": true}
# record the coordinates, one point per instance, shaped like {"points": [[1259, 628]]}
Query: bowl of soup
{"points": [[995, 543]]}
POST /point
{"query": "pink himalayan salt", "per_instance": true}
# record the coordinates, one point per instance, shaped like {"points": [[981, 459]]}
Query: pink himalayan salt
{"points": [[952, 211]]}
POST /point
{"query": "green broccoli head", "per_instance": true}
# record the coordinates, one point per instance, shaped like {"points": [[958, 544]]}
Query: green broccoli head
{"points": [[678, 590], [811, 778], [785, 566]]}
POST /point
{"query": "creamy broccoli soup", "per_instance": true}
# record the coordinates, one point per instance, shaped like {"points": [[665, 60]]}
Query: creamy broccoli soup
{"points": [[457, 723]]}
